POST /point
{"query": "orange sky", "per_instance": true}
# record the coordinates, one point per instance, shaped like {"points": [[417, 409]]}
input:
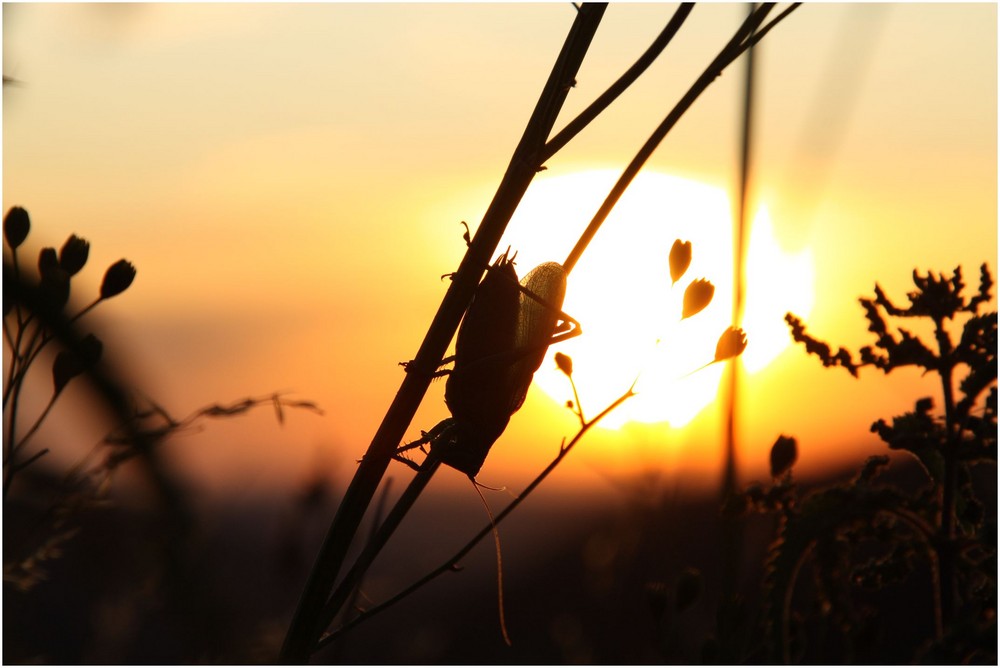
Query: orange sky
{"points": [[288, 180]]}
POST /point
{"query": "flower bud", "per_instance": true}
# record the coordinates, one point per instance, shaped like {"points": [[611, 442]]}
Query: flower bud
{"points": [[54, 284], [565, 363], [117, 279], [784, 452], [71, 363], [48, 262], [680, 259], [73, 254], [697, 296], [731, 344], [16, 225]]}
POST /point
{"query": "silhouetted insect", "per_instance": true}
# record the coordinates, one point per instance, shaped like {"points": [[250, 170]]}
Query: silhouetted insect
{"points": [[501, 343]]}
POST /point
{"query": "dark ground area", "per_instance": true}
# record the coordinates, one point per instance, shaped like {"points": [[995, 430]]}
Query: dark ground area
{"points": [[583, 581]]}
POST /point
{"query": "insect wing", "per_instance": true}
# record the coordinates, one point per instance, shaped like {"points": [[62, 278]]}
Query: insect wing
{"points": [[536, 324]]}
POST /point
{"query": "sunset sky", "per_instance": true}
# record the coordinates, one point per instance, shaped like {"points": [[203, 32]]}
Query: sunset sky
{"points": [[289, 182]]}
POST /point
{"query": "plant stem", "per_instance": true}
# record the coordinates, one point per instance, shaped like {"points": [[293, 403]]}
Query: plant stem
{"points": [[305, 626], [732, 534], [450, 564], [946, 539], [37, 424], [585, 117], [744, 38], [378, 540]]}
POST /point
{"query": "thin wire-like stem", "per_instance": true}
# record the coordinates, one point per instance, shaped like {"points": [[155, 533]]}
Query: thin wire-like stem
{"points": [[946, 539], [34, 427], [732, 538], [450, 564], [576, 398], [603, 101], [306, 624]]}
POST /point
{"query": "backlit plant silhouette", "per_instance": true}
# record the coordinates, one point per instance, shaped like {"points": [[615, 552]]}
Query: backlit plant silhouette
{"points": [[868, 535], [322, 597]]}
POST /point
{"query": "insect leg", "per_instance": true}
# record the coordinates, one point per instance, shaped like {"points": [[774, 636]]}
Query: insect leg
{"points": [[426, 437]]}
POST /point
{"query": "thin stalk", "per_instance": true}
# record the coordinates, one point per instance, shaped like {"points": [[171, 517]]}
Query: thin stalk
{"points": [[31, 460], [352, 602], [47, 337], [451, 563], [946, 542], [16, 382], [18, 371], [732, 538], [629, 77], [31, 432], [305, 626], [744, 38], [378, 539]]}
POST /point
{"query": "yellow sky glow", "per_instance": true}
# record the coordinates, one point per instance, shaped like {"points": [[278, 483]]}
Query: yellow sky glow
{"points": [[289, 181]]}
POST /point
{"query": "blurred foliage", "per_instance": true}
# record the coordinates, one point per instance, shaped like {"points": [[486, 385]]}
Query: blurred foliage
{"points": [[48, 508]]}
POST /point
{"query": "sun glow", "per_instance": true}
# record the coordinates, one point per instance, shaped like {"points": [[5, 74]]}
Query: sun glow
{"points": [[621, 291]]}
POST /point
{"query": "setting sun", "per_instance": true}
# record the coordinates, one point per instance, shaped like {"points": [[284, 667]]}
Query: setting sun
{"points": [[621, 291]]}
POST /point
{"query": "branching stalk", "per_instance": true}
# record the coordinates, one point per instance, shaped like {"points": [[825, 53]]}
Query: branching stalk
{"points": [[450, 564], [629, 77], [306, 624], [315, 610], [746, 36]]}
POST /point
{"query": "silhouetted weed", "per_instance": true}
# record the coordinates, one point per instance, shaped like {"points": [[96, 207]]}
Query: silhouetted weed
{"points": [[866, 536]]}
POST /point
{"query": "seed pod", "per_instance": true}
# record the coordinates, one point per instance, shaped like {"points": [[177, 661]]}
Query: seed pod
{"points": [[71, 363], [565, 363], [16, 225], [54, 283], [731, 344], [697, 296], [117, 279], [784, 452], [73, 254], [680, 259]]}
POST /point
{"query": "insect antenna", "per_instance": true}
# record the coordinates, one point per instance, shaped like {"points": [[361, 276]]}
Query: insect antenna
{"points": [[496, 540]]}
